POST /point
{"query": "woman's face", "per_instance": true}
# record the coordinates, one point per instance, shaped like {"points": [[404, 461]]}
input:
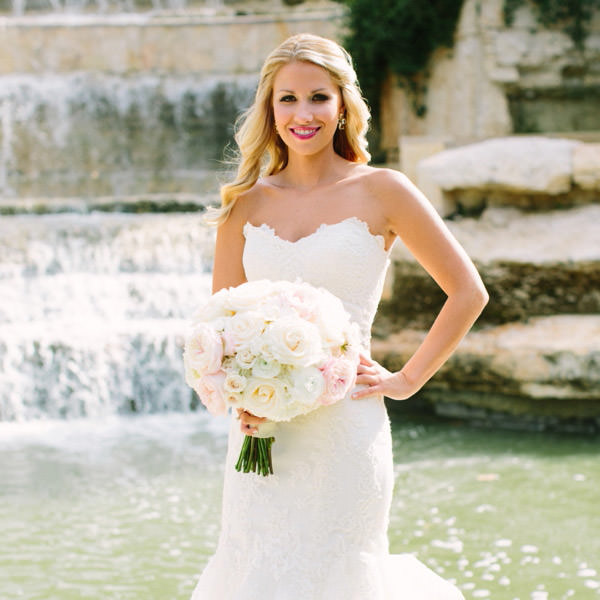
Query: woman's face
{"points": [[306, 107]]}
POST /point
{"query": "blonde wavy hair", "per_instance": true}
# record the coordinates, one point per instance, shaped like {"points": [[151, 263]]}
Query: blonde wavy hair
{"points": [[261, 149]]}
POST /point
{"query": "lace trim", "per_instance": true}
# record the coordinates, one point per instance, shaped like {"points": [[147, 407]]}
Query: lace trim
{"points": [[379, 239]]}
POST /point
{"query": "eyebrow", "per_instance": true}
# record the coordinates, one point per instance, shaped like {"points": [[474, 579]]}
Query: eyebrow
{"points": [[313, 92]]}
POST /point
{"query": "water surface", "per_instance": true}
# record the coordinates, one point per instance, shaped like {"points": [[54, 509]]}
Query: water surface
{"points": [[126, 508]]}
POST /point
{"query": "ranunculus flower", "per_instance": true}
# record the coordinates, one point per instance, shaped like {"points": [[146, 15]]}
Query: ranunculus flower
{"points": [[265, 367], [203, 350], [210, 390]]}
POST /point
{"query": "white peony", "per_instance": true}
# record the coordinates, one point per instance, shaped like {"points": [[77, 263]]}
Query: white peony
{"points": [[308, 385], [331, 320]]}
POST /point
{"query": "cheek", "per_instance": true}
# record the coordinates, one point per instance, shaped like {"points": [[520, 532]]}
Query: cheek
{"points": [[281, 113]]}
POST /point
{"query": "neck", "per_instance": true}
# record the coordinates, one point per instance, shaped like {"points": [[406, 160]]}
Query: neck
{"points": [[305, 172]]}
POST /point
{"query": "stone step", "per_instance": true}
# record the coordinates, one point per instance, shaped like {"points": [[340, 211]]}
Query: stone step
{"points": [[547, 367], [531, 263], [532, 172]]}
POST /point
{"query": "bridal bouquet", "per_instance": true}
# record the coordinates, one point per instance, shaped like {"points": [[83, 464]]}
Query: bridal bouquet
{"points": [[276, 349]]}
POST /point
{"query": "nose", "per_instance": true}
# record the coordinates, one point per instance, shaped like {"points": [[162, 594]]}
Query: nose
{"points": [[304, 113]]}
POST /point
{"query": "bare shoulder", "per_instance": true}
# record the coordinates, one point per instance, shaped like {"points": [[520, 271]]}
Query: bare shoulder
{"points": [[245, 206], [386, 182], [400, 201]]}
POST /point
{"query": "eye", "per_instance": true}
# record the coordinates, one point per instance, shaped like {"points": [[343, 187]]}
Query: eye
{"points": [[320, 97], [287, 98]]}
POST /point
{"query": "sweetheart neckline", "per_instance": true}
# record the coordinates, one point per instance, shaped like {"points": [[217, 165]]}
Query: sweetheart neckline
{"points": [[378, 238]]}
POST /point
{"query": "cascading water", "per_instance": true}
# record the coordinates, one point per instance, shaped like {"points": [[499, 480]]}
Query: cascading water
{"points": [[84, 134], [94, 309]]}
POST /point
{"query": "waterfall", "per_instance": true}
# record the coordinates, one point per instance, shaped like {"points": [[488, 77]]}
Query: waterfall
{"points": [[91, 134], [94, 309]]}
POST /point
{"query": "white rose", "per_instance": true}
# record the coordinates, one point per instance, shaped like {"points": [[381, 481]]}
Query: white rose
{"points": [[294, 342], [243, 327], [234, 383], [213, 308], [266, 398], [245, 358], [247, 295], [233, 398], [203, 350]]}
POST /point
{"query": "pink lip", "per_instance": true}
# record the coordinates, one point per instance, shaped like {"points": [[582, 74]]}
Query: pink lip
{"points": [[305, 137]]}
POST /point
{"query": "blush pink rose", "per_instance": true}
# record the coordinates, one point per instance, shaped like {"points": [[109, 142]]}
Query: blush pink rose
{"points": [[229, 343], [210, 388], [339, 375], [204, 350]]}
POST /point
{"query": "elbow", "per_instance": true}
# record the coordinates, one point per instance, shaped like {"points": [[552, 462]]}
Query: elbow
{"points": [[483, 295], [474, 297], [479, 297]]}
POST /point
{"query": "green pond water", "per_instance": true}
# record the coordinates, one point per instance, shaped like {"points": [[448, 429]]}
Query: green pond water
{"points": [[128, 508]]}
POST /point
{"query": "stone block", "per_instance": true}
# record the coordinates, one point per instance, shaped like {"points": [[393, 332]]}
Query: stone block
{"points": [[552, 359], [531, 264], [517, 164], [586, 166]]}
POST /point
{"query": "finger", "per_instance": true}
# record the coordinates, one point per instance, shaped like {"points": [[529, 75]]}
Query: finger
{"points": [[250, 419], [369, 378], [247, 429], [372, 390], [365, 360]]}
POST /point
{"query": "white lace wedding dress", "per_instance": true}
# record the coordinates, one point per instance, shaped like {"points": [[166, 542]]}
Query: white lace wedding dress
{"points": [[317, 528]]}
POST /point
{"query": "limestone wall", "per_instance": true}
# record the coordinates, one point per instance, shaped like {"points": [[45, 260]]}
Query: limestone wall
{"points": [[124, 104], [527, 211], [498, 80]]}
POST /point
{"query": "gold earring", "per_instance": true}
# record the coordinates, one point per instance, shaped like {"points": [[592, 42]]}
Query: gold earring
{"points": [[341, 121]]}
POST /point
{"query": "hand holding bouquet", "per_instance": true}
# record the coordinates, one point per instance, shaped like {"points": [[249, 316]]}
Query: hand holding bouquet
{"points": [[276, 349]]}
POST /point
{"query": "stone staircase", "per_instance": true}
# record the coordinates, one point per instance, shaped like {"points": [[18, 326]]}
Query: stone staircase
{"points": [[533, 359]]}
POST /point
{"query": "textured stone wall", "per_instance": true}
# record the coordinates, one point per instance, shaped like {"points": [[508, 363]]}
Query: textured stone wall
{"points": [[527, 211], [125, 104], [498, 80]]}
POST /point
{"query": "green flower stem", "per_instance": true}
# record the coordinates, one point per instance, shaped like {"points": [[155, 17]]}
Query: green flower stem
{"points": [[255, 456]]}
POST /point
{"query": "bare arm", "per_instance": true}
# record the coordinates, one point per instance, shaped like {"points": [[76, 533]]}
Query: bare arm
{"points": [[415, 221], [228, 270]]}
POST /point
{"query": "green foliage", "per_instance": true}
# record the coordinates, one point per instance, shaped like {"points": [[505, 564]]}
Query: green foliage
{"points": [[397, 36], [573, 15]]}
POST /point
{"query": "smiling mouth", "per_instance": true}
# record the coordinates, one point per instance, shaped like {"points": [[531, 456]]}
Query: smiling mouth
{"points": [[304, 133]]}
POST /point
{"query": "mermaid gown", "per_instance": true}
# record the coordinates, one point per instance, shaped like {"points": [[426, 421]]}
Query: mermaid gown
{"points": [[317, 528]]}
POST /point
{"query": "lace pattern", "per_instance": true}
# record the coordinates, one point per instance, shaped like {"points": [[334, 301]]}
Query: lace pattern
{"points": [[317, 528]]}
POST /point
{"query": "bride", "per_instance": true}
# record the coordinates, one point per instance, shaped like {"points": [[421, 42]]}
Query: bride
{"points": [[317, 528]]}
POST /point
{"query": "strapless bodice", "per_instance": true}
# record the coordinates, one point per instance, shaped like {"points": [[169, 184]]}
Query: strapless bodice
{"points": [[345, 258]]}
